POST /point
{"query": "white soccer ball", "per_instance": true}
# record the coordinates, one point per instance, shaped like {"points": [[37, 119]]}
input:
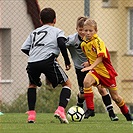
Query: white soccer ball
{"points": [[75, 113]]}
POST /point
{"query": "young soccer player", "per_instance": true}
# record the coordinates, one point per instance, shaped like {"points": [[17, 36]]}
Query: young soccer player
{"points": [[101, 71], [43, 46], [80, 61]]}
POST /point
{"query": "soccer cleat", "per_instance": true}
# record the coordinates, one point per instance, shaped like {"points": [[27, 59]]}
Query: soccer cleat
{"points": [[129, 117], [114, 118], [61, 116], [31, 116], [89, 113]]}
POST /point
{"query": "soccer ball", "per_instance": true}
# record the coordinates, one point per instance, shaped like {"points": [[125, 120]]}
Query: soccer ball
{"points": [[75, 113]]}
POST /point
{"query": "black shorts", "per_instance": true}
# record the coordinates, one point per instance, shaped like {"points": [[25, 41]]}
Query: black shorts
{"points": [[50, 68], [80, 78]]}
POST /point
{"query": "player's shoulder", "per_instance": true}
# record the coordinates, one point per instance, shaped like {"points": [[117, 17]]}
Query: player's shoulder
{"points": [[48, 27], [99, 40], [71, 38], [56, 29]]}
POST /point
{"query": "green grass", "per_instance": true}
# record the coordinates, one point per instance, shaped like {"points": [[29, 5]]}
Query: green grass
{"points": [[46, 123]]}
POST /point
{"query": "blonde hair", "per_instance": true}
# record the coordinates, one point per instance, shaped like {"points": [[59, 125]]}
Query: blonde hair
{"points": [[91, 22], [80, 21]]}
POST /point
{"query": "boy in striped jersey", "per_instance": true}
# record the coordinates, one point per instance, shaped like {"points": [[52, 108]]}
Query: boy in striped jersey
{"points": [[101, 71], [80, 61]]}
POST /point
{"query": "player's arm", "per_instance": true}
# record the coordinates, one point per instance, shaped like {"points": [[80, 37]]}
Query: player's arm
{"points": [[62, 46], [26, 45], [96, 62], [69, 41], [25, 51], [85, 64]]}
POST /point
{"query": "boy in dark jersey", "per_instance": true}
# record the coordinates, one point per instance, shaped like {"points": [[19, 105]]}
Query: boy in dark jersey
{"points": [[79, 59], [100, 69], [43, 46]]}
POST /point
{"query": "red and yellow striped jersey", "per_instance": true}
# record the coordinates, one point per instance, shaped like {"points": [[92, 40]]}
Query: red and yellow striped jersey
{"points": [[95, 48]]}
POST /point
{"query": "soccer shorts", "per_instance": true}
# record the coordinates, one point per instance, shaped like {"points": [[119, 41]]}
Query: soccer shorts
{"points": [[106, 82], [80, 78], [50, 68]]}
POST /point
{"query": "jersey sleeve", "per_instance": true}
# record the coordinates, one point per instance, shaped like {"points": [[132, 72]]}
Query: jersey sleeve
{"points": [[60, 33], [62, 46], [101, 48], [27, 44], [70, 40]]}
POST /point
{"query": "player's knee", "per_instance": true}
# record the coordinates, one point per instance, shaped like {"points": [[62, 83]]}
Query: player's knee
{"points": [[103, 91], [87, 83], [32, 86], [81, 95], [117, 99], [67, 83]]}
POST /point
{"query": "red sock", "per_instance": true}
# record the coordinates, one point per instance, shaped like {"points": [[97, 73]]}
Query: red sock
{"points": [[124, 109], [89, 100]]}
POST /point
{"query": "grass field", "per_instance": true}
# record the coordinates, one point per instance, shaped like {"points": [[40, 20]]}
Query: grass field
{"points": [[46, 123]]}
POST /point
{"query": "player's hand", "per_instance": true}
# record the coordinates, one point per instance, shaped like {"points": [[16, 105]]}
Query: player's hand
{"points": [[86, 69], [68, 67], [85, 64]]}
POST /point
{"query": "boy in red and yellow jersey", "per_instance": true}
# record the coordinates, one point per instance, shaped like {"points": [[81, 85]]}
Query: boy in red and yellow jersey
{"points": [[101, 71]]}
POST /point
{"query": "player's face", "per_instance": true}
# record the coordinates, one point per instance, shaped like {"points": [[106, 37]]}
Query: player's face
{"points": [[89, 31], [80, 31]]}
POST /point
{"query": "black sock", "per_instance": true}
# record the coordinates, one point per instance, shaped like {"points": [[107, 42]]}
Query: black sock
{"points": [[80, 100], [107, 101], [64, 97], [31, 97]]}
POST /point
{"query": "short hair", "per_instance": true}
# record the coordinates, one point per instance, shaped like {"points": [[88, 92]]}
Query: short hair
{"points": [[91, 22], [47, 15], [80, 21]]}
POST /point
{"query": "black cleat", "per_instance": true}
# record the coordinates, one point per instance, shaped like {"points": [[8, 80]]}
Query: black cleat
{"points": [[114, 118], [129, 117], [89, 113]]}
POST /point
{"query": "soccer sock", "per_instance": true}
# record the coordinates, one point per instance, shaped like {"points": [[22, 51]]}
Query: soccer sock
{"points": [[123, 107], [64, 96], [31, 97], [88, 95], [107, 101], [80, 100]]}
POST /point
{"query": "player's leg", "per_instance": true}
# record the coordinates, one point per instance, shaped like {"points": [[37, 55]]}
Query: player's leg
{"points": [[80, 78], [63, 101], [31, 98], [120, 103], [80, 99], [107, 102], [89, 80], [56, 75], [34, 81], [89, 96]]}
